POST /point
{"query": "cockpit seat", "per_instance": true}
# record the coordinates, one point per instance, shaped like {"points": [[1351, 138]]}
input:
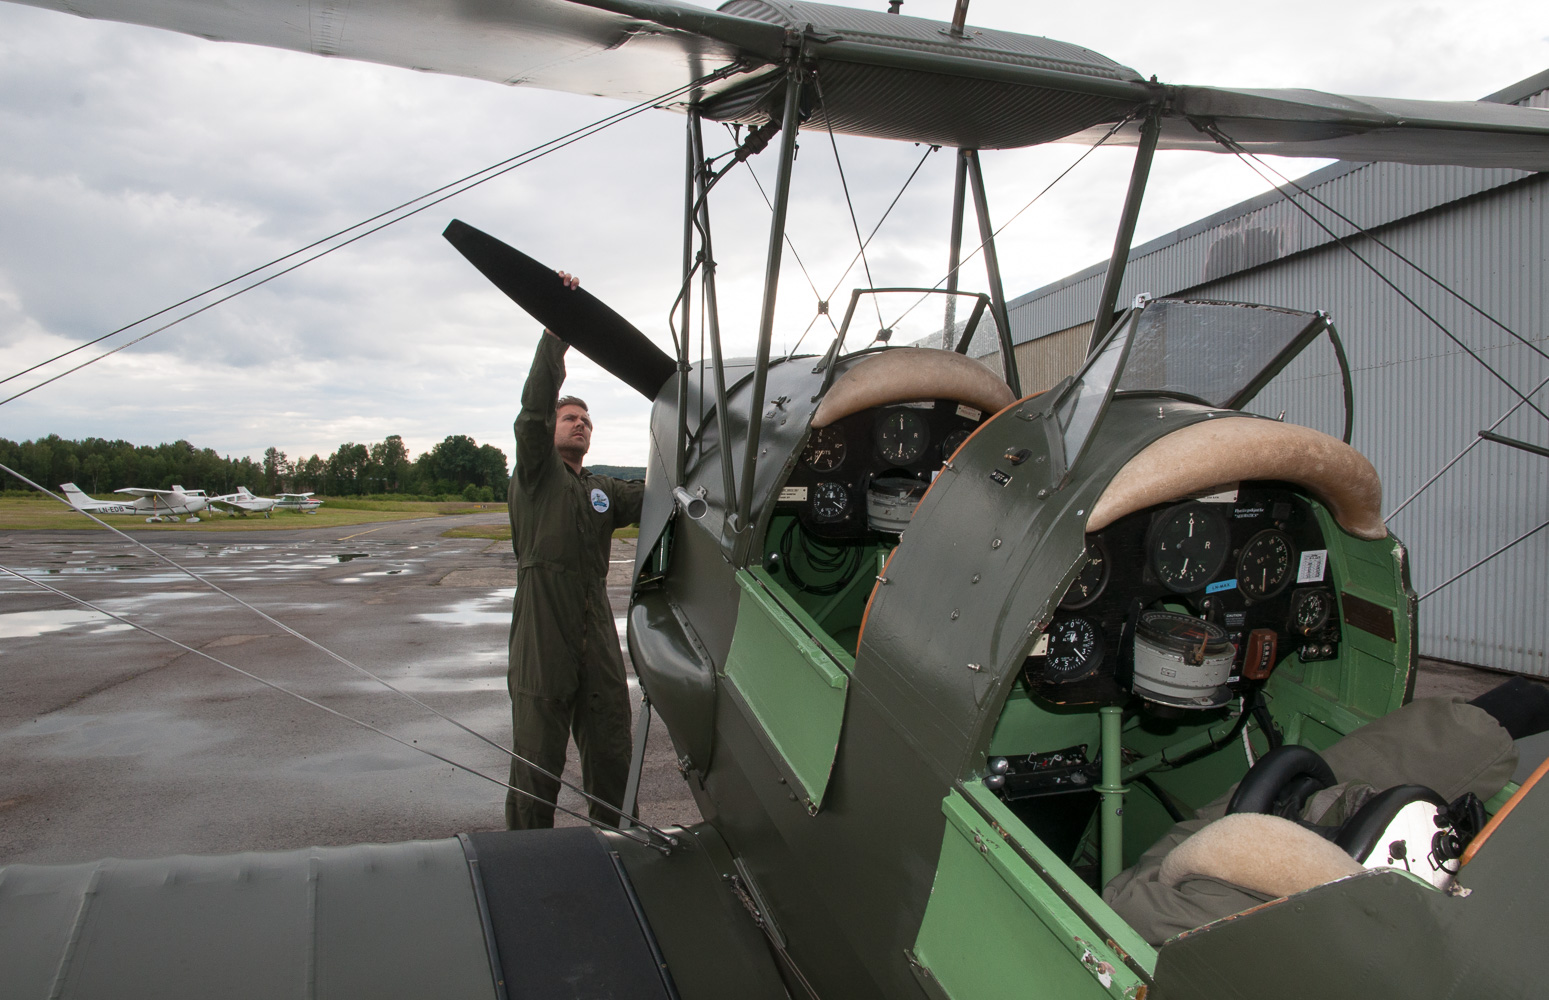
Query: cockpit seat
{"points": [[911, 373], [1444, 744], [1230, 449]]}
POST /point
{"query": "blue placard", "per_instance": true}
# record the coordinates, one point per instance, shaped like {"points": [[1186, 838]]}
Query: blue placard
{"points": [[1220, 585]]}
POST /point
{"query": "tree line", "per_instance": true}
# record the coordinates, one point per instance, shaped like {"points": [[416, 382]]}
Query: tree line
{"points": [[457, 467]]}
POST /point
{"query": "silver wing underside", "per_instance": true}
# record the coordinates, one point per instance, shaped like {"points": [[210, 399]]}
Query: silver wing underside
{"points": [[887, 76]]}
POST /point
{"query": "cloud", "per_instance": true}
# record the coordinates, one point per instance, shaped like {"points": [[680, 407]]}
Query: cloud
{"points": [[143, 166]]}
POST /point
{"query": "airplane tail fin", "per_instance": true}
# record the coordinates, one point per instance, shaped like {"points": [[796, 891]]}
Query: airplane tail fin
{"points": [[73, 494]]}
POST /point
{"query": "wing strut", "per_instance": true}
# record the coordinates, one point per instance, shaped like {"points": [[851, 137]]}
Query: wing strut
{"points": [[992, 268], [1150, 130], [790, 124]]}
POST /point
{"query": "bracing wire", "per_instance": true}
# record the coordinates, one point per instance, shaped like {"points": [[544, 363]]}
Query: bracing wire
{"points": [[823, 303], [1016, 215], [333, 711], [1472, 444], [1458, 576], [1465, 300], [850, 204], [319, 646], [1231, 144], [445, 192]]}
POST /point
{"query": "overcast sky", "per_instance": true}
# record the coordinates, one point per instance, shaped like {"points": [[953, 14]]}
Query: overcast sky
{"points": [[139, 166]]}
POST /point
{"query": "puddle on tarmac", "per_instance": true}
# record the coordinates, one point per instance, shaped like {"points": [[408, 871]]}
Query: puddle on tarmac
{"points": [[360, 763], [123, 734], [26, 624], [345, 557], [493, 608]]}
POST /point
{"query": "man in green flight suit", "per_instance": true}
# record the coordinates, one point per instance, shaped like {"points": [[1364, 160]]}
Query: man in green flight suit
{"points": [[566, 671]]}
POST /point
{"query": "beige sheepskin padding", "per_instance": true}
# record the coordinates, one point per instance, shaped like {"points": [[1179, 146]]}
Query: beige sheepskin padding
{"points": [[1264, 853], [1224, 450], [912, 373]]}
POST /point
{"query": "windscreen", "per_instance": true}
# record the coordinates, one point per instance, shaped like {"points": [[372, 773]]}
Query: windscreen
{"points": [[1211, 351]]}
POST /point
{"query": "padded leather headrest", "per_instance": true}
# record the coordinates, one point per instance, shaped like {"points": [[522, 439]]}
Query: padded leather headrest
{"points": [[910, 373], [1230, 449]]}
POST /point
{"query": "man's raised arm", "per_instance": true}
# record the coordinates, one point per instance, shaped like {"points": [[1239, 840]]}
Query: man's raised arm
{"points": [[535, 454]]}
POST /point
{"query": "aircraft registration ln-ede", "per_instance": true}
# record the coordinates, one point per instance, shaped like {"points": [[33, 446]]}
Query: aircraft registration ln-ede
{"points": [[940, 659], [153, 505]]}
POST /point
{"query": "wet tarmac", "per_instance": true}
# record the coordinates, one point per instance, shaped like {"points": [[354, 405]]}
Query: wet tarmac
{"points": [[116, 743]]}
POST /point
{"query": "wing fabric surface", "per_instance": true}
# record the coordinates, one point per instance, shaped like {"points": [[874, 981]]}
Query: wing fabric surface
{"points": [[138, 491], [1313, 123], [552, 44], [882, 75]]}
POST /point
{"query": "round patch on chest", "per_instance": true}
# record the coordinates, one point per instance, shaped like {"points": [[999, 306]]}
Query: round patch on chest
{"points": [[599, 501]]}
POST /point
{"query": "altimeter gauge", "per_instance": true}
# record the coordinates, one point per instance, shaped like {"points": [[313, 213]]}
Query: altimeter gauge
{"points": [[1075, 650], [830, 501]]}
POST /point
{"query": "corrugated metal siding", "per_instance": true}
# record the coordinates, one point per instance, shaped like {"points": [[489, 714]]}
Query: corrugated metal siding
{"points": [[1043, 362], [1420, 400]]}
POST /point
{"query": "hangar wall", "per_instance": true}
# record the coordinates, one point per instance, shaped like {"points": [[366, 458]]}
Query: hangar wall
{"points": [[1420, 399]]}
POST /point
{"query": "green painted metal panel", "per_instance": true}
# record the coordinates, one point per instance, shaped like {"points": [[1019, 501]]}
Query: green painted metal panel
{"points": [[792, 684], [373, 920], [995, 927]]}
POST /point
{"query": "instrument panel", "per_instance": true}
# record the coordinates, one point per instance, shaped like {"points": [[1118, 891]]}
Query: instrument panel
{"points": [[827, 489], [1252, 562]]}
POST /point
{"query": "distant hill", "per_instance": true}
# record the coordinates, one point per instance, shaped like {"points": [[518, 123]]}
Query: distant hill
{"points": [[618, 471]]}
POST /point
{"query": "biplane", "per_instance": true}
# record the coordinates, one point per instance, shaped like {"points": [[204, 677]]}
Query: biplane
{"points": [[940, 659]]}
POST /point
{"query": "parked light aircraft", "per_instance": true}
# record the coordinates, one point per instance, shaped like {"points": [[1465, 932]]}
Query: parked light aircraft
{"points": [[302, 502], [158, 505], [246, 503], [938, 658]]}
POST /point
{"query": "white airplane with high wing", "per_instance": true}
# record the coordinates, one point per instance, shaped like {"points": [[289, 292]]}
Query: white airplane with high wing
{"points": [[246, 502], [158, 505], [297, 501]]}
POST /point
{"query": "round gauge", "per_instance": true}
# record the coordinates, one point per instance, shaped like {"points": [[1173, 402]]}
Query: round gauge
{"points": [[902, 436], [1075, 650], [953, 442], [830, 501], [1264, 565], [1310, 610], [1089, 583], [1188, 546], [825, 450]]}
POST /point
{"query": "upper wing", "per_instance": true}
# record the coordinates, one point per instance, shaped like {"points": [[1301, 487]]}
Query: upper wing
{"points": [[883, 75], [543, 43], [142, 492], [1313, 123]]}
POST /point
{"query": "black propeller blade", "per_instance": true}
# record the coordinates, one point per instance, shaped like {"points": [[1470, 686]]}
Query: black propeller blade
{"points": [[574, 315]]}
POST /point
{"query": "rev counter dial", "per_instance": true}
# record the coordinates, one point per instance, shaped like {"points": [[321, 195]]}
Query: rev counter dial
{"points": [[1264, 565], [830, 501], [1188, 546], [902, 436], [825, 450]]}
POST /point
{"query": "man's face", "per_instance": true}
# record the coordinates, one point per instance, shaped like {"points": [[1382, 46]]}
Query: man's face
{"points": [[572, 432]]}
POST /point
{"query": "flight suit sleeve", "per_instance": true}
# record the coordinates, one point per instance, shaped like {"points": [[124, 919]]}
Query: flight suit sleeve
{"points": [[535, 455], [629, 496]]}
